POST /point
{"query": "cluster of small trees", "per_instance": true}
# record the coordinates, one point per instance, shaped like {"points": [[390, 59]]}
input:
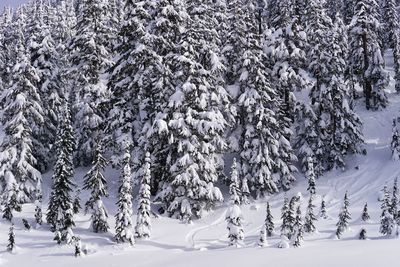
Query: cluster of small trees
{"points": [[294, 225]]}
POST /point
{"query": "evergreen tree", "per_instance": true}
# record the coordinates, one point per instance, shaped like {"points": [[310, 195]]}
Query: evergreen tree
{"points": [[285, 48], [393, 209], [123, 218], [387, 220], [131, 84], [143, 224], [322, 213], [310, 177], [395, 143], [76, 205], [10, 199], [365, 215], [57, 237], [390, 22], [234, 219], [38, 214], [22, 111], [339, 128], [26, 224], [78, 247], [365, 54], [194, 146], [60, 209], [162, 37], [234, 190], [259, 143], [262, 242], [387, 224], [363, 234], [288, 217], [95, 181], [344, 217], [396, 61], [391, 25], [11, 240], [310, 218], [45, 59], [298, 229], [306, 143], [269, 222], [90, 58], [245, 192]]}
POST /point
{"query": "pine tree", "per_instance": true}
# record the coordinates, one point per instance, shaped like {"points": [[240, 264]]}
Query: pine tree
{"points": [[395, 143], [194, 147], [60, 209], [396, 60], [365, 215], [78, 247], [310, 177], [259, 144], [393, 209], [57, 237], [123, 218], [90, 58], [76, 205], [387, 220], [262, 242], [298, 229], [11, 202], [38, 211], [95, 181], [45, 59], [234, 190], [245, 192], [287, 75], [130, 84], [390, 21], [365, 54], [387, 224], [338, 130], [306, 142], [22, 112], [344, 217], [234, 219], [269, 222], [310, 218], [288, 217], [143, 224], [161, 38], [363, 234], [26, 224], [322, 213], [11, 240]]}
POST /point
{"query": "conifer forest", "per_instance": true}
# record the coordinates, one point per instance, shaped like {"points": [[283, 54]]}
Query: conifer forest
{"points": [[192, 132]]}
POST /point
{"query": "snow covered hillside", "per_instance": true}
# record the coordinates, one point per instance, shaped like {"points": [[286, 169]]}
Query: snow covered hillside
{"points": [[200, 132], [204, 242]]}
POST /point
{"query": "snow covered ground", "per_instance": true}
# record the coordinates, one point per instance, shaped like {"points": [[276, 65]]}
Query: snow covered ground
{"points": [[204, 242]]}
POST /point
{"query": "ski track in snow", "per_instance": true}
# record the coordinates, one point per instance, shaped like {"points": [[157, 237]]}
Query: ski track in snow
{"points": [[191, 236]]}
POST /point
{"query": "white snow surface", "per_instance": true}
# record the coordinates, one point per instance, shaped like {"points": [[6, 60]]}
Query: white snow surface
{"points": [[204, 242]]}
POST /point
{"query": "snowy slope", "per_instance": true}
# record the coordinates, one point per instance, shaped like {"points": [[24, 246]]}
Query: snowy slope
{"points": [[204, 243]]}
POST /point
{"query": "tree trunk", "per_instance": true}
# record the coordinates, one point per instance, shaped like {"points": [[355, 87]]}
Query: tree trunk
{"points": [[367, 83]]}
